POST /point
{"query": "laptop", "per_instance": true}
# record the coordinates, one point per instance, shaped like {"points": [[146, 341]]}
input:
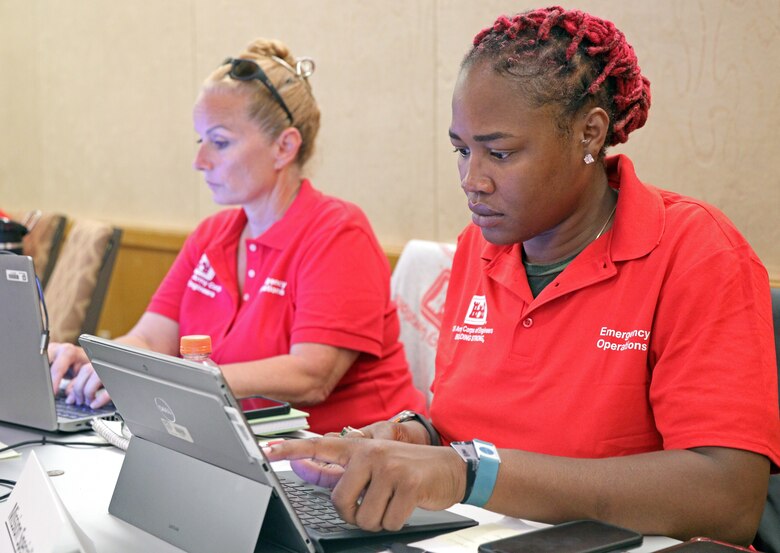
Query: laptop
{"points": [[26, 396], [194, 475]]}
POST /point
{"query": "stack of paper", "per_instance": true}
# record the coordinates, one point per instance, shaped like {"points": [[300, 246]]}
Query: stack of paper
{"points": [[8, 453], [279, 424]]}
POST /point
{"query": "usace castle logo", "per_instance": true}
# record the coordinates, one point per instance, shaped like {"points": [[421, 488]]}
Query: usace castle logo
{"points": [[202, 278], [477, 311], [474, 327]]}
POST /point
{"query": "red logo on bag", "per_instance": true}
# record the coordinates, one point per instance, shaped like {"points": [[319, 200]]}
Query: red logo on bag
{"points": [[432, 301]]}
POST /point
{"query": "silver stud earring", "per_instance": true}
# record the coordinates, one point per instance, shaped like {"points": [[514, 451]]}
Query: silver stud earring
{"points": [[588, 159]]}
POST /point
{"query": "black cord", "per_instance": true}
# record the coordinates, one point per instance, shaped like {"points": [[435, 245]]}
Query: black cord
{"points": [[45, 333], [45, 441], [42, 441], [8, 484]]}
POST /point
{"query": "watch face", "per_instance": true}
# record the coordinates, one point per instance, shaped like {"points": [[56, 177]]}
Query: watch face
{"points": [[465, 450], [485, 449]]}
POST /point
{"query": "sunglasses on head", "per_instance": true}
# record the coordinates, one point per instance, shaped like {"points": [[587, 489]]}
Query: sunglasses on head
{"points": [[248, 70]]}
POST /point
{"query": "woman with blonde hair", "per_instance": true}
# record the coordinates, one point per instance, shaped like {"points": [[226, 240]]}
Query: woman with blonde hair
{"points": [[292, 286]]}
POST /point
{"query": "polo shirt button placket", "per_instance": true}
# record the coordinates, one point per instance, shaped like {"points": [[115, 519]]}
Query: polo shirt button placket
{"points": [[251, 273], [528, 322]]}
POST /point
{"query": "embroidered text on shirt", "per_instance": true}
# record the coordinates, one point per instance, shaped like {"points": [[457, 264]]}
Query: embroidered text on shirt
{"points": [[274, 286]]}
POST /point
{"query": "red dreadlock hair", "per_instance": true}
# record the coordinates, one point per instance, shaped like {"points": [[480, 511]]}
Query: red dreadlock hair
{"points": [[572, 59]]}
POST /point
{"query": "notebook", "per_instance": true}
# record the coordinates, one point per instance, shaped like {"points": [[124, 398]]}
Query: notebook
{"points": [[26, 395], [188, 433], [279, 424]]}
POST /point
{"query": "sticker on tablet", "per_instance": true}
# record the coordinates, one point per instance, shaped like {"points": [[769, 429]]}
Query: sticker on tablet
{"points": [[177, 430], [169, 421], [16, 276]]}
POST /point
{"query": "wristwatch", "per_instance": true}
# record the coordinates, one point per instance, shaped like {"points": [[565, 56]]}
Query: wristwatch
{"points": [[468, 453], [482, 462], [408, 415]]}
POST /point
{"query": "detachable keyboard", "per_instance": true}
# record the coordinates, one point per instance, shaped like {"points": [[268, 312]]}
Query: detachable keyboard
{"points": [[314, 508]]}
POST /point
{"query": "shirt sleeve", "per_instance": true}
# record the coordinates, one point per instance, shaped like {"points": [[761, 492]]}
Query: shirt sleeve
{"points": [[343, 291], [714, 381], [167, 299]]}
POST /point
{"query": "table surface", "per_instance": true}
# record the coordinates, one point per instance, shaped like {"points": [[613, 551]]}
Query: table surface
{"points": [[89, 474]]}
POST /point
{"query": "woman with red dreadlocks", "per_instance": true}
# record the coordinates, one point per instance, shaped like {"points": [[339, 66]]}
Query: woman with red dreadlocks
{"points": [[606, 350]]}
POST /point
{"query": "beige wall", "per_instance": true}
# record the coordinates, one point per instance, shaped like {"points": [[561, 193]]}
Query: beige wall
{"points": [[95, 100]]}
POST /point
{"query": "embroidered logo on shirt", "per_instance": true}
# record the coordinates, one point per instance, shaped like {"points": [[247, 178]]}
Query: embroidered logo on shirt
{"points": [[477, 311], [476, 315], [204, 269], [201, 279], [274, 286]]}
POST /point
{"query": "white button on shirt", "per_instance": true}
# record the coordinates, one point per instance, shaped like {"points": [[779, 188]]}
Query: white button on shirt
{"points": [[251, 273], [246, 297], [252, 247]]}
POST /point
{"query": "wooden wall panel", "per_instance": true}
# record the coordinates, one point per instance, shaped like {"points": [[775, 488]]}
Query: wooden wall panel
{"points": [[143, 260]]}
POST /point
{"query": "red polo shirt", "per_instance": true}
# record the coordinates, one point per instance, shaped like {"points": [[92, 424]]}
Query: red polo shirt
{"points": [[317, 275], [657, 336]]}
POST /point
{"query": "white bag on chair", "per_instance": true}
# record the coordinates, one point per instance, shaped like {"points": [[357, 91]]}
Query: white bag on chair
{"points": [[419, 286]]}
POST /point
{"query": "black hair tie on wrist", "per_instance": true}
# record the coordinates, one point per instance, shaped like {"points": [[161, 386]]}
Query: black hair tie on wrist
{"points": [[407, 415]]}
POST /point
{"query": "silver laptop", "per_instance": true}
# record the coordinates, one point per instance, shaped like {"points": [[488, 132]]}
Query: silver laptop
{"points": [[26, 395], [194, 475]]}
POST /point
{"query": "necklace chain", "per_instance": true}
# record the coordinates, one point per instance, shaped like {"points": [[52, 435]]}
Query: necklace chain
{"points": [[611, 213]]}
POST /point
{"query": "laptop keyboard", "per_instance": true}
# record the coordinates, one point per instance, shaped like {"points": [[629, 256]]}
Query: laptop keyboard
{"points": [[314, 508], [78, 411]]}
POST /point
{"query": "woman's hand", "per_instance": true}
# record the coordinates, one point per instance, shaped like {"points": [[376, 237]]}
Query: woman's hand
{"points": [[410, 432], [381, 430], [87, 389], [85, 386], [62, 359], [377, 483]]}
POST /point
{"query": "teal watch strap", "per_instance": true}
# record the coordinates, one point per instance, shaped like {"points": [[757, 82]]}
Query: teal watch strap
{"points": [[487, 473]]}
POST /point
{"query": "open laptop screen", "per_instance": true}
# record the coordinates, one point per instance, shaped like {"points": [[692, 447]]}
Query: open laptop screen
{"points": [[26, 395]]}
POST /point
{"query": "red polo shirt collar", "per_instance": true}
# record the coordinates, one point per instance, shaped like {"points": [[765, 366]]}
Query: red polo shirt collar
{"points": [[222, 251], [636, 231]]}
